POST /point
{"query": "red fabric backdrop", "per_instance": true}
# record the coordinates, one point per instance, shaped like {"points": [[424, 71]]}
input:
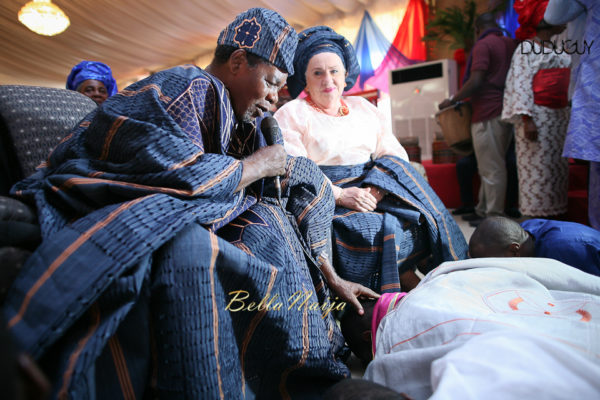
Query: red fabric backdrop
{"points": [[411, 31]]}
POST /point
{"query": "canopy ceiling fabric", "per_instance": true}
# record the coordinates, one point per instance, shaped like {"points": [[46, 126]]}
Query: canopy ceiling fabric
{"points": [[371, 47], [377, 56], [136, 37]]}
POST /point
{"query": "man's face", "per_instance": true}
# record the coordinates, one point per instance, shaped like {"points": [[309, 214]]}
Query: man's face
{"points": [[255, 90]]}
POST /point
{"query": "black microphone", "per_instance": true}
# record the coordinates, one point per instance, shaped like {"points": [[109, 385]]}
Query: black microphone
{"points": [[271, 132]]}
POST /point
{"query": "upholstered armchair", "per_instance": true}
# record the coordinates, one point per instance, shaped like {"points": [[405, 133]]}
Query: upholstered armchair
{"points": [[32, 121]]}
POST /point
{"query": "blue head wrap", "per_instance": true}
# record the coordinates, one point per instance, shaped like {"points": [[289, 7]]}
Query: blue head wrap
{"points": [[92, 70], [264, 33], [321, 39]]}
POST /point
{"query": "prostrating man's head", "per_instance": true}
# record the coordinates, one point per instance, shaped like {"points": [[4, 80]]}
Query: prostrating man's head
{"points": [[501, 237], [357, 331], [254, 56]]}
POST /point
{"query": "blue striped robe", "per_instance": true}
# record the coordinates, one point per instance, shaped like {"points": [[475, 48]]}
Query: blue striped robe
{"points": [[408, 225], [132, 291]]}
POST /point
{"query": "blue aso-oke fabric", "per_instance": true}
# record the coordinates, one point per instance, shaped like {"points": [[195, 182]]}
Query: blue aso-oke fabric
{"points": [[264, 33], [92, 70], [128, 293], [374, 248], [321, 39]]}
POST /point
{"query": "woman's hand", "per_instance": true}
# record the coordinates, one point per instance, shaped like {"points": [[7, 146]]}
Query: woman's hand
{"points": [[358, 199], [531, 132]]}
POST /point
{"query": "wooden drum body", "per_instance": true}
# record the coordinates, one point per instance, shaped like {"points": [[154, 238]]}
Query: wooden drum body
{"points": [[455, 122]]}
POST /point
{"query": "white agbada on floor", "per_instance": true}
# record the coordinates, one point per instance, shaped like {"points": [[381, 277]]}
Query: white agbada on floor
{"points": [[496, 328]]}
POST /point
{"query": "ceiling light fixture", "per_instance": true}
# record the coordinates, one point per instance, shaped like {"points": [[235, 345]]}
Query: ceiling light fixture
{"points": [[43, 17]]}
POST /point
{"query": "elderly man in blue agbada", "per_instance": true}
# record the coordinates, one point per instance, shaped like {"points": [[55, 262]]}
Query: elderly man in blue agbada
{"points": [[94, 79], [155, 212]]}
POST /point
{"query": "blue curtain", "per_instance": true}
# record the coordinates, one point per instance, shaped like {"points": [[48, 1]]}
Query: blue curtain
{"points": [[508, 20], [371, 46]]}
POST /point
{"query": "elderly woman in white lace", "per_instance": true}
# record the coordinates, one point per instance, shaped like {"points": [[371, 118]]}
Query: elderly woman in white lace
{"points": [[387, 217]]}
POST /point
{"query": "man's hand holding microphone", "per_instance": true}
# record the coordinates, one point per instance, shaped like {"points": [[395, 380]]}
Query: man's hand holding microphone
{"points": [[266, 161]]}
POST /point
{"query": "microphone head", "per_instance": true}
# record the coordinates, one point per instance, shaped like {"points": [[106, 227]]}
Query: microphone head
{"points": [[270, 130]]}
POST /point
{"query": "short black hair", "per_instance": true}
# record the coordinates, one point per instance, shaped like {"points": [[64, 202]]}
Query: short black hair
{"points": [[544, 25], [353, 325], [486, 20], [223, 52], [494, 235]]}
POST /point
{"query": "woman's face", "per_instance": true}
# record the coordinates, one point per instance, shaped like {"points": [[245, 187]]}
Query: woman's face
{"points": [[325, 80], [94, 89]]}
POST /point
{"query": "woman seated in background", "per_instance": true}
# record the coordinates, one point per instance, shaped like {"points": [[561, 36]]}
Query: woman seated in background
{"points": [[94, 79], [387, 219]]}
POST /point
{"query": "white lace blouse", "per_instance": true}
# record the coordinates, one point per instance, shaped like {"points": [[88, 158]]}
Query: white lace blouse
{"points": [[337, 140]]}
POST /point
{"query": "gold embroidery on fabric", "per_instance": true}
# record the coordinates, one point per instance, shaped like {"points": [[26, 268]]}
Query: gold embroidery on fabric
{"points": [[450, 245], [253, 324], [370, 249], [58, 261], [305, 347], [95, 315], [278, 43], [247, 35], [312, 203], [110, 135], [121, 368], [214, 244], [129, 93]]}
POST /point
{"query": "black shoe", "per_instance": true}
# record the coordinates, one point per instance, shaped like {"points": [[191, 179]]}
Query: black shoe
{"points": [[513, 212], [463, 210], [475, 223], [471, 217]]}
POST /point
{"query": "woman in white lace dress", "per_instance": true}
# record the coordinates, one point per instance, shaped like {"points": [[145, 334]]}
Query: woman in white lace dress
{"points": [[535, 101]]}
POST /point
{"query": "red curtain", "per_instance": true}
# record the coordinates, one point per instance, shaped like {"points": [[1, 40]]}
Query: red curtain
{"points": [[412, 29]]}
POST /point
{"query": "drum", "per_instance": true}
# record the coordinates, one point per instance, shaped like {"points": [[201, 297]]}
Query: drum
{"points": [[456, 127], [411, 145], [442, 153]]}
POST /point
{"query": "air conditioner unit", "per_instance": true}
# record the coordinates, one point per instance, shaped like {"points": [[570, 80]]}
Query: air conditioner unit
{"points": [[415, 92]]}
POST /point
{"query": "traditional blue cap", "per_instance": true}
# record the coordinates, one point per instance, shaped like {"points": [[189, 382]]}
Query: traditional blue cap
{"points": [[92, 70], [263, 33], [321, 39]]}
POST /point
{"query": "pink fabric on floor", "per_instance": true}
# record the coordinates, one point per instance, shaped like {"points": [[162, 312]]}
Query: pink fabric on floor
{"points": [[386, 303]]}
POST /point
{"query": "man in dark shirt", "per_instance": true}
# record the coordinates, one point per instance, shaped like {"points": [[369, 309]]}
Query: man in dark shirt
{"points": [[488, 66]]}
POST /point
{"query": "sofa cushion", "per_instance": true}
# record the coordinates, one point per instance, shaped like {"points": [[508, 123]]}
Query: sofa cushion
{"points": [[34, 120]]}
